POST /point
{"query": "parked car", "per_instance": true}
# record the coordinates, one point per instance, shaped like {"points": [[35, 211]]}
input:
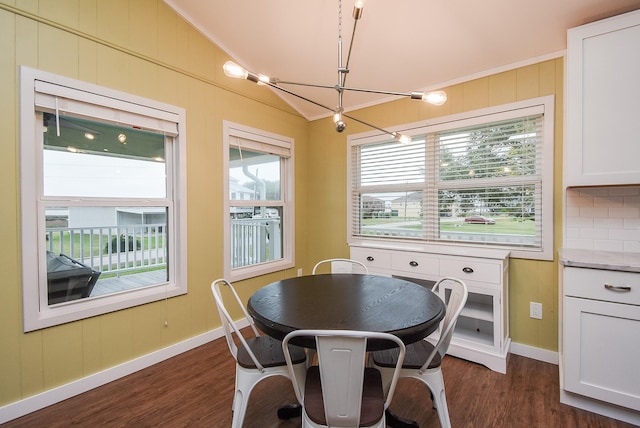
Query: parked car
{"points": [[478, 219]]}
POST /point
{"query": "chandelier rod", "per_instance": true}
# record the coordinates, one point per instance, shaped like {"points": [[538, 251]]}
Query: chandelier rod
{"points": [[391, 133], [413, 94]]}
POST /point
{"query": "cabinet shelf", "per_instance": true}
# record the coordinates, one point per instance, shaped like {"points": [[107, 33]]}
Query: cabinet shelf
{"points": [[474, 335], [478, 310]]}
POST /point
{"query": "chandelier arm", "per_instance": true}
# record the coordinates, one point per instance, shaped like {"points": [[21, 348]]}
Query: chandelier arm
{"points": [[393, 134], [346, 66], [338, 88], [312, 85], [280, 88], [376, 91]]}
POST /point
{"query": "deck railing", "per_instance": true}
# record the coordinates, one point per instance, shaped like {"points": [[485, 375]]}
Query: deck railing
{"points": [[112, 249], [255, 240], [122, 249]]}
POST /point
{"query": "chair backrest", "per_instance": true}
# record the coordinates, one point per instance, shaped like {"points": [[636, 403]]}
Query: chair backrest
{"points": [[457, 297], [228, 325], [342, 361], [342, 266]]}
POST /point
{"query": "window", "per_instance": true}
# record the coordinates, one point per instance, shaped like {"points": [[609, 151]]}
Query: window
{"points": [[101, 174], [483, 178], [258, 231]]}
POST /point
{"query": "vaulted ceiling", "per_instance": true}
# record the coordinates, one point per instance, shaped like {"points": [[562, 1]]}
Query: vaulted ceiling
{"points": [[400, 45]]}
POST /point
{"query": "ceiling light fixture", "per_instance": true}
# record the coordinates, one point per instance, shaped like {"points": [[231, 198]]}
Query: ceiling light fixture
{"points": [[231, 69]]}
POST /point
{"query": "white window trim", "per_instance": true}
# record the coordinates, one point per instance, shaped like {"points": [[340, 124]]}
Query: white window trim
{"points": [[466, 119], [280, 145], [37, 313]]}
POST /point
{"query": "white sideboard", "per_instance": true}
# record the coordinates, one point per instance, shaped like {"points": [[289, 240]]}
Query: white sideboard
{"points": [[482, 330], [599, 342], [601, 145]]}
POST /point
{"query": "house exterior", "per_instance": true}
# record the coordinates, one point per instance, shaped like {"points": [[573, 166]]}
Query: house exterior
{"points": [[156, 54]]}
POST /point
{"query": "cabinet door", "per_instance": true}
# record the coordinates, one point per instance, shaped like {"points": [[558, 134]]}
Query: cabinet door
{"points": [[603, 102], [602, 351]]}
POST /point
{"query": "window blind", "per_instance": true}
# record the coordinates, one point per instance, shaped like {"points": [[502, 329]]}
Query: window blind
{"points": [[477, 179]]}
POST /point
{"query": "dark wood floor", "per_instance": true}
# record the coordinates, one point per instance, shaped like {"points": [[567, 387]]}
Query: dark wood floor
{"points": [[195, 389]]}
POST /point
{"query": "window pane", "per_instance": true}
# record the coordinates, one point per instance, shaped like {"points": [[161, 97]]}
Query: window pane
{"points": [[391, 214], [495, 150], [254, 176], [91, 251], [256, 235], [501, 215], [94, 159]]}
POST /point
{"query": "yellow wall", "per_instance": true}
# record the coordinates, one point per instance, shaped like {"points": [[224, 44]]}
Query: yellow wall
{"points": [[529, 280], [144, 48]]}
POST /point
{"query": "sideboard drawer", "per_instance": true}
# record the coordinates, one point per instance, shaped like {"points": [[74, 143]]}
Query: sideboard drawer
{"points": [[471, 270], [420, 264], [374, 259]]}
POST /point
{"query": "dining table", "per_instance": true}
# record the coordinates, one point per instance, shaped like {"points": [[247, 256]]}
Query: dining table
{"points": [[342, 301]]}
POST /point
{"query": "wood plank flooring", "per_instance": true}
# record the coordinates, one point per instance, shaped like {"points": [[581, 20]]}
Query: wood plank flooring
{"points": [[195, 389]]}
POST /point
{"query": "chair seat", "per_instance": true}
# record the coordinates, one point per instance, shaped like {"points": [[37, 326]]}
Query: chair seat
{"points": [[416, 356], [371, 411], [269, 352]]}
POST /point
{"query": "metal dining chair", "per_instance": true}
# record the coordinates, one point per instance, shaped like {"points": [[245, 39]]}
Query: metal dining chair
{"points": [[423, 359], [341, 391], [339, 265], [257, 358]]}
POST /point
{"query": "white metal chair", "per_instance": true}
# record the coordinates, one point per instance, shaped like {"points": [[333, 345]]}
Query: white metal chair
{"points": [[423, 359], [257, 358], [341, 391], [342, 266]]}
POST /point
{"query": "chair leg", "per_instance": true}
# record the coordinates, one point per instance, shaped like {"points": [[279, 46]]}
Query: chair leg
{"points": [[245, 381], [435, 382]]}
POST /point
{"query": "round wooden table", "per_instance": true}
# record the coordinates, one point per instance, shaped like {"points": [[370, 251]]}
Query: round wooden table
{"points": [[347, 302]]}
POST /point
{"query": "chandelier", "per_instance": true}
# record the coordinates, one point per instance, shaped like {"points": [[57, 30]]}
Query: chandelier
{"points": [[232, 69]]}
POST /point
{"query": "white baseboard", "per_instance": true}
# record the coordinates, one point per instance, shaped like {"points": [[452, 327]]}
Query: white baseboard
{"points": [[535, 353], [39, 401], [71, 389]]}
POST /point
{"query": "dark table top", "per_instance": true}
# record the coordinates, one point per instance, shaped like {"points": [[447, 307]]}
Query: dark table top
{"points": [[347, 302]]}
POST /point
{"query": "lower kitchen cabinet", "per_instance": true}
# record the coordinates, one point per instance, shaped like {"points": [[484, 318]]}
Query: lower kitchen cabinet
{"points": [[600, 345]]}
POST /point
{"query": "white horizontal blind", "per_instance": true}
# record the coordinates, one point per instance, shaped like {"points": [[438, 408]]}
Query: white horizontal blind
{"points": [[58, 99], [488, 165], [492, 170]]}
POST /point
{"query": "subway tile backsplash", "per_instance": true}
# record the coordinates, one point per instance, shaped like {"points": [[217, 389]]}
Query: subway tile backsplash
{"points": [[603, 218]]}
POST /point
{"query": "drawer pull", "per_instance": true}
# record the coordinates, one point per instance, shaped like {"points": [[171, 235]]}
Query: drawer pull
{"points": [[413, 263], [467, 270], [616, 287], [370, 258]]}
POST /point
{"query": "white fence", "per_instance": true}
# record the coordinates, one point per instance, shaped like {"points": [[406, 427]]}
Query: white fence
{"points": [[112, 249], [120, 249]]}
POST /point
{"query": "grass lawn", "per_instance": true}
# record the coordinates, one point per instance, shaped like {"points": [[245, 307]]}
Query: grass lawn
{"points": [[507, 226]]}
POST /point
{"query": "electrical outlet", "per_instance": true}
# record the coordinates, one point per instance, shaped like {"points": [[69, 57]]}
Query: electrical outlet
{"points": [[300, 272], [535, 310]]}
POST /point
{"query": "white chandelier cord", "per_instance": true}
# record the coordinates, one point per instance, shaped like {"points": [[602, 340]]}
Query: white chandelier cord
{"points": [[232, 69]]}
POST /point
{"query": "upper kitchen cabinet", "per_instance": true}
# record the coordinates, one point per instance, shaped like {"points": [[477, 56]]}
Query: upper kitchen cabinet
{"points": [[602, 144]]}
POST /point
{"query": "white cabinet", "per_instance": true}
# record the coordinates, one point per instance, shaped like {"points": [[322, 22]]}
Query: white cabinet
{"points": [[482, 330], [602, 146], [600, 344]]}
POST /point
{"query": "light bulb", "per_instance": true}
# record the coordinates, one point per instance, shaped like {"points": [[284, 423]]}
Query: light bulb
{"points": [[437, 98], [404, 139], [339, 123], [231, 69], [357, 9]]}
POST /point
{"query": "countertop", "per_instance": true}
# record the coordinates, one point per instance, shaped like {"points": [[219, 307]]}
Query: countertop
{"points": [[609, 260]]}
